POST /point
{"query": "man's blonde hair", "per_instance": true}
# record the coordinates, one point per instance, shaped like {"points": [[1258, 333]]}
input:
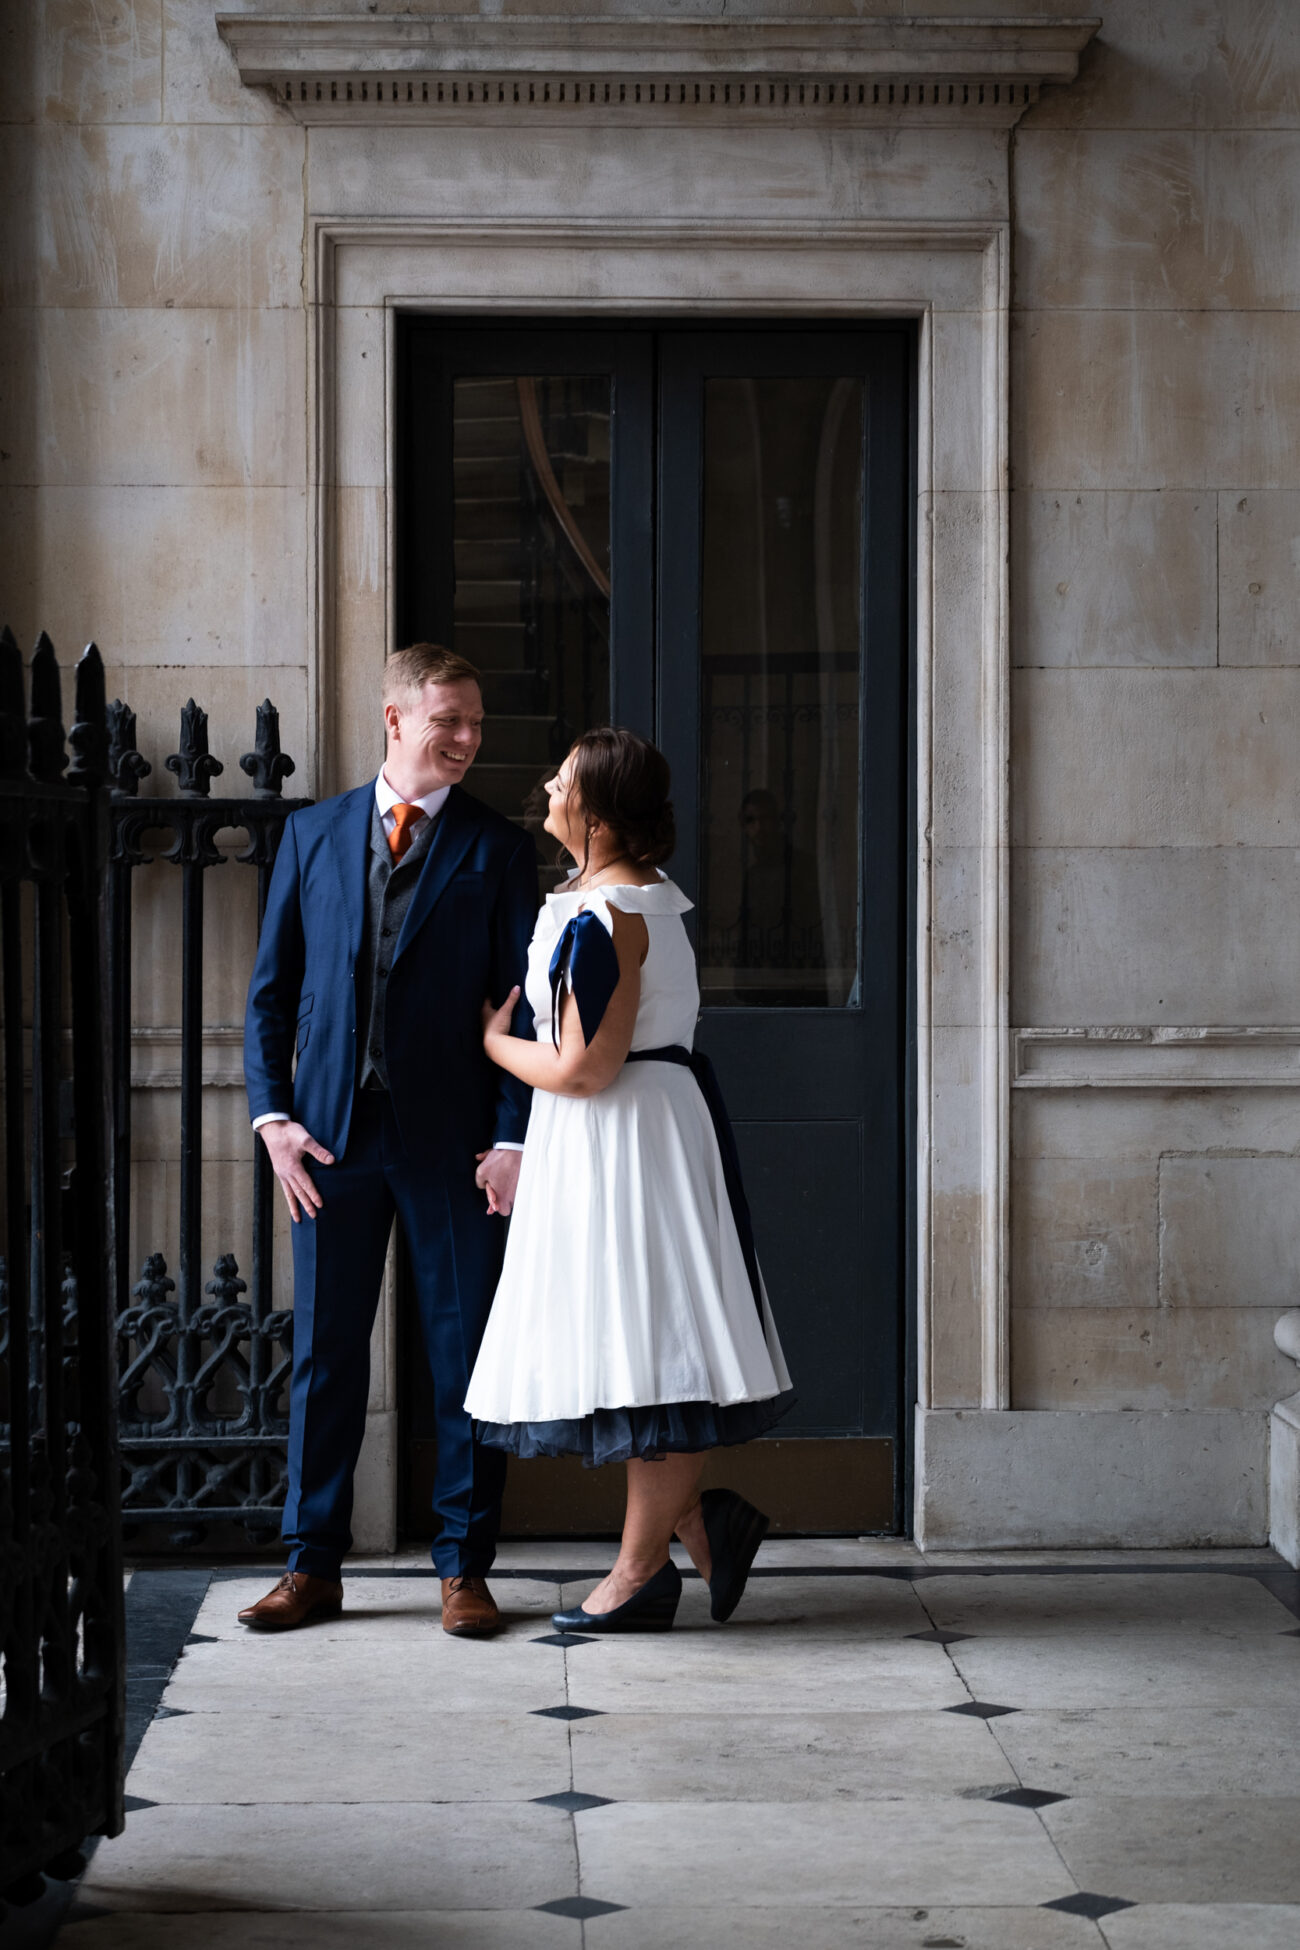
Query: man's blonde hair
{"points": [[407, 671]]}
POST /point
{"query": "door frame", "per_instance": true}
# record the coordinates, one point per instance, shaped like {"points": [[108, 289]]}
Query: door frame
{"points": [[952, 279], [822, 1481]]}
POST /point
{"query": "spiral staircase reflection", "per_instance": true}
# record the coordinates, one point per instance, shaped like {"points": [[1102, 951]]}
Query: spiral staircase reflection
{"points": [[532, 608]]}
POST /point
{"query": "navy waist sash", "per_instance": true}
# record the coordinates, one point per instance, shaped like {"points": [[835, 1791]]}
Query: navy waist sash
{"points": [[706, 1076]]}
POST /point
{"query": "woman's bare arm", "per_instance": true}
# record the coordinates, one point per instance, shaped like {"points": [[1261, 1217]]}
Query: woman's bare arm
{"points": [[577, 1068]]}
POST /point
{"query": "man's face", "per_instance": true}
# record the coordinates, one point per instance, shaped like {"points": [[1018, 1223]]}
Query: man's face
{"points": [[436, 736]]}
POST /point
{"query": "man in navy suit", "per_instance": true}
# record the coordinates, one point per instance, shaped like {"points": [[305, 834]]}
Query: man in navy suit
{"points": [[394, 910]]}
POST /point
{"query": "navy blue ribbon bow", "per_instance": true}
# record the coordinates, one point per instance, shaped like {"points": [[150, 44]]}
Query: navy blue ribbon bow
{"points": [[586, 955]]}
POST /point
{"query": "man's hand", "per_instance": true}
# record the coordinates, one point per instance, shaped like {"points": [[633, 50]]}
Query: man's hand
{"points": [[289, 1144], [498, 1176]]}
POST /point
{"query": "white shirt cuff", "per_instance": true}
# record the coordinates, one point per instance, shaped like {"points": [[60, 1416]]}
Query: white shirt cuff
{"points": [[271, 1117], [506, 1144]]}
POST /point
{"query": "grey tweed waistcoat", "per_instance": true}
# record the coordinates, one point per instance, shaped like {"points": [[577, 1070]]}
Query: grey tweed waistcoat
{"points": [[390, 889]]}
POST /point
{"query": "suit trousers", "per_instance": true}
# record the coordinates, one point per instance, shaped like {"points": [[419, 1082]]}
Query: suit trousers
{"points": [[455, 1248]]}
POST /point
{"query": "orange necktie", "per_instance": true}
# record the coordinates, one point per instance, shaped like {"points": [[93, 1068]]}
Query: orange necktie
{"points": [[401, 836]]}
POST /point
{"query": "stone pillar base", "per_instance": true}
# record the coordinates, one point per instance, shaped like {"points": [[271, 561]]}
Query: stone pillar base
{"points": [[1048, 1479]]}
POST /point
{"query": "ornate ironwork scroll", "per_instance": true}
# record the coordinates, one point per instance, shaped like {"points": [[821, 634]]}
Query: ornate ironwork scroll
{"points": [[61, 1697], [203, 1361]]}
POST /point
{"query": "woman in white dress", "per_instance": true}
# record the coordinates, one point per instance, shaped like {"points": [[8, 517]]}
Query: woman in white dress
{"points": [[631, 1323]]}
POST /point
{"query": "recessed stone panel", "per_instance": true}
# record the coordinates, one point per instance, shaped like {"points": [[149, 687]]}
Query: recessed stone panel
{"points": [[1228, 1231], [153, 216], [1136, 217], [226, 580], [1126, 758], [156, 398], [1154, 935], [1083, 1234], [1156, 399], [1259, 578], [1108, 1358], [1125, 578]]}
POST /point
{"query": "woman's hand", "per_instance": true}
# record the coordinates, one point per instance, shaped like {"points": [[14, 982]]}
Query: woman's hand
{"points": [[496, 1022]]}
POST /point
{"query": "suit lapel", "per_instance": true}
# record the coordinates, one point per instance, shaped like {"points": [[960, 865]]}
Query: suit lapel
{"points": [[457, 830], [350, 838]]}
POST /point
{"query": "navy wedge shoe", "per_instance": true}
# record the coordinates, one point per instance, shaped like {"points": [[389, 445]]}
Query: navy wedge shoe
{"points": [[651, 1609], [735, 1529]]}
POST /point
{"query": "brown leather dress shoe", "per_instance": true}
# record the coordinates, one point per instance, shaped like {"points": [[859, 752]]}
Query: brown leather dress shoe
{"points": [[469, 1610], [296, 1600]]}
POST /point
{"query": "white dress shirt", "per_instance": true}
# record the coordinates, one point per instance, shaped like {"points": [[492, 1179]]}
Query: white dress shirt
{"points": [[386, 799]]}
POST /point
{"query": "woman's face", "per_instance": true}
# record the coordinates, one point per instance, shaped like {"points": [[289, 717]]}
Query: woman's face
{"points": [[564, 819]]}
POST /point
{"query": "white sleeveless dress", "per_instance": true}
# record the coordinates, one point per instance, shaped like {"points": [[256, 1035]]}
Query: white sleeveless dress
{"points": [[625, 1323]]}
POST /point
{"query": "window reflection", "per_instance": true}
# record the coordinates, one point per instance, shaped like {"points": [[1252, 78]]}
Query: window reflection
{"points": [[532, 554], [780, 677]]}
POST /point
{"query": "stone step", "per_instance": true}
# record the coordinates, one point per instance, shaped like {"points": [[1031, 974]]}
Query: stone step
{"points": [[507, 786], [517, 739], [492, 559], [480, 599], [492, 646], [513, 693]]}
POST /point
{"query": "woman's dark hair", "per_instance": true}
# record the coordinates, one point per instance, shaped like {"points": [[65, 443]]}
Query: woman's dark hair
{"points": [[623, 781]]}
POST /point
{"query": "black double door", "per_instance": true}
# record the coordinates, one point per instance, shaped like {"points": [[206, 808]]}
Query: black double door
{"points": [[702, 531]]}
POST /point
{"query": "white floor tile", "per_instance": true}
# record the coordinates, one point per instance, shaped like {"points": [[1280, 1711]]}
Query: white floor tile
{"points": [[332, 1857], [794, 1856]]}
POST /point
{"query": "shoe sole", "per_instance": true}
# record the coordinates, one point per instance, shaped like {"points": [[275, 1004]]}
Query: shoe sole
{"points": [[472, 1631]]}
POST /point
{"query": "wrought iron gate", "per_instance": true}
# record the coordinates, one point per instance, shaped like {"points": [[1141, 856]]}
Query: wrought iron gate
{"points": [[61, 1721], [203, 1362]]}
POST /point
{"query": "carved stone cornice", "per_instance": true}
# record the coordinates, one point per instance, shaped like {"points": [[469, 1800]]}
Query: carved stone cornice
{"points": [[465, 68]]}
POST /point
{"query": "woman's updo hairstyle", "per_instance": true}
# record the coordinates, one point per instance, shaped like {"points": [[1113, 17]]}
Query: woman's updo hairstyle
{"points": [[623, 782]]}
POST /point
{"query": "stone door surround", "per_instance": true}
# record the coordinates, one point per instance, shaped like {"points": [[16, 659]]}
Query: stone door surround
{"points": [[933, 247]]}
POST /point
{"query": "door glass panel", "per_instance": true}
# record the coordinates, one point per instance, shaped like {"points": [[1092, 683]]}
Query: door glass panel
{"points": [[780, 653], [532, 601]]}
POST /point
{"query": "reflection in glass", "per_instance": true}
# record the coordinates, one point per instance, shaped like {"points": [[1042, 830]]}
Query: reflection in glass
{"points": [[780, 634], [531, 533]]}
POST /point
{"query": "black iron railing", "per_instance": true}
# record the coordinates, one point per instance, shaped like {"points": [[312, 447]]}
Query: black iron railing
{"points": [[61, 1695], [203, 1361]]}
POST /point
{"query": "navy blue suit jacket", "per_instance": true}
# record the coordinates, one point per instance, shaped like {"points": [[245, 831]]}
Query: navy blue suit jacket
{"points": [[465, 938]]}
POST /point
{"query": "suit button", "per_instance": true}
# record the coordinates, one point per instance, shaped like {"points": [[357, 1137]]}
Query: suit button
{"points": [[385, 930], [375, 1050], [383, 971]]}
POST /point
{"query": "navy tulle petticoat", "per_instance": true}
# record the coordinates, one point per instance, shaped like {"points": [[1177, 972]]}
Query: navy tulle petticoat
{"points": [[611, 1435]]}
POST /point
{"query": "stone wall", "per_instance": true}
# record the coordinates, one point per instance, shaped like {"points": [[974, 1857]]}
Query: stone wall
{"points": [[154, 493], [1156, 592]]}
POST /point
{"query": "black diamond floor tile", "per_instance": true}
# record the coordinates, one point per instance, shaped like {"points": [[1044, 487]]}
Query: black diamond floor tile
{"points": [[202, 1638], [941, 1638], [134, 1804], [980, 1709], [564, 1638], [1028, 1798], [583, 1907], [567, 1712], [171, 1713], [571, 1802], [1087, 1903]]}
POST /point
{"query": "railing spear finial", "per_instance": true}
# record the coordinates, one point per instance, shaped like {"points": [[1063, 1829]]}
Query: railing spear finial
{"points": [[267, 766], [46, 756], [13, 708], [126, 766], [193, 764], [89, 734]]}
